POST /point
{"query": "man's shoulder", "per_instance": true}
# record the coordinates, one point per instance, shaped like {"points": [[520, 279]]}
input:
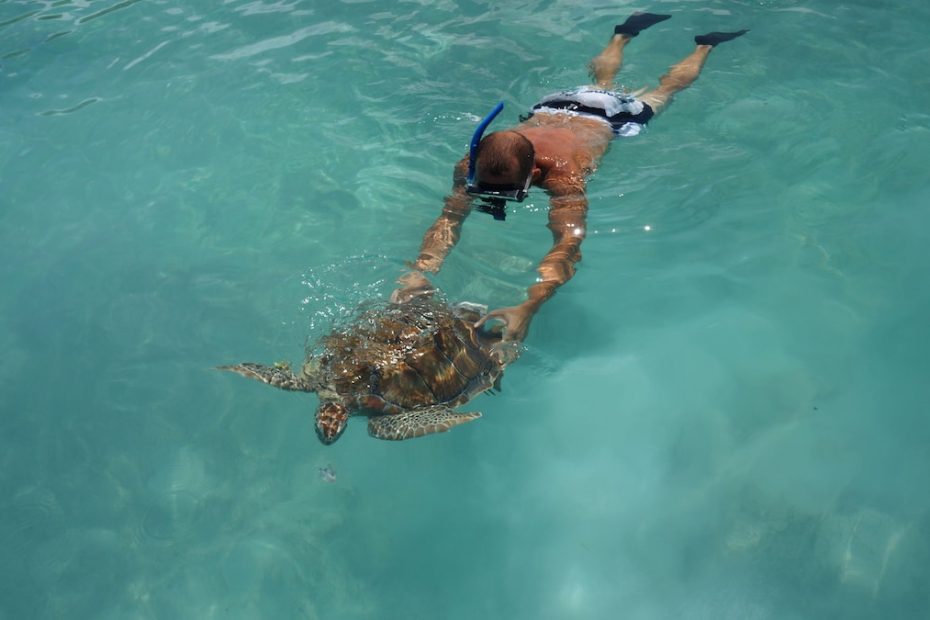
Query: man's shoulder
{"points": [[563, 182]]}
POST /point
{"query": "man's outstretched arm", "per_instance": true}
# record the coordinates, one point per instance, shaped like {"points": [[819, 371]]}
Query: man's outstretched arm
{"points": [[567, 214], [446, 230], [439, 239]]}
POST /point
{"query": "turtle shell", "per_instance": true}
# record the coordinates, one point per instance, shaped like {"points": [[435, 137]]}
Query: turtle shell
{"points": [[406, 356]]}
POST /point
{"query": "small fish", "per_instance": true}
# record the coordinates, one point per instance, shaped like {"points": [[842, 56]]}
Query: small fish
{"points": [[327, 474]]}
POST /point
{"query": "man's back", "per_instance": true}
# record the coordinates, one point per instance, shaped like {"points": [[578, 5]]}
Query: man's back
{"points": [[567, 148]]}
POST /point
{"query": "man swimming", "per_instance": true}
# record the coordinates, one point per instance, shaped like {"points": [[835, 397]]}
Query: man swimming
{"points": [[556, 147]]}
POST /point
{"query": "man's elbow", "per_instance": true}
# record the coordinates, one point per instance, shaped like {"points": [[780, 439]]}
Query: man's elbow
{"points": [[557, 274]]}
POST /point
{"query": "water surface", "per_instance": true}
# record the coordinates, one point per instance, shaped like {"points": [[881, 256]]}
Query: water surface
{"points": [[723, 415]]}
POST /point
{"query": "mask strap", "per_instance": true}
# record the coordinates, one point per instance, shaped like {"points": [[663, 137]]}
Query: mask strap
{"points": [[476, 138]]}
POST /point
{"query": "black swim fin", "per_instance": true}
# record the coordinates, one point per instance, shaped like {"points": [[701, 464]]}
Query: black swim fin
{"points": [[713, 38], [638, 22]]}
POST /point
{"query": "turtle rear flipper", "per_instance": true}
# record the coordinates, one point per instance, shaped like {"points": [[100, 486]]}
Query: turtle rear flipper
{"points": [[279, 375], [417, 423]]}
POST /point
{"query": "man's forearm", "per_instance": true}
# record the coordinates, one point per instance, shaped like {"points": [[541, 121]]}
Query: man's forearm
{"points": [[567, 223], [443, 234], [556, 268]]}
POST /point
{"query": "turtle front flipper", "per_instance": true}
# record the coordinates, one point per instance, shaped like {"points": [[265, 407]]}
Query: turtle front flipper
{"points": [[417, 423], [279, 375]]}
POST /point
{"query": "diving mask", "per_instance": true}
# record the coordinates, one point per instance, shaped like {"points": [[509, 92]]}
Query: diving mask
{"points": [[495, 196]]}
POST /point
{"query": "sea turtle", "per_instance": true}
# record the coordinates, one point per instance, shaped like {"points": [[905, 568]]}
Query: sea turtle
{"points": [[404, 365]]}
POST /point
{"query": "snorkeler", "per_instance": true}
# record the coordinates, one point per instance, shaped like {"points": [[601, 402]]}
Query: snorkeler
{"points": [[555, 147]]}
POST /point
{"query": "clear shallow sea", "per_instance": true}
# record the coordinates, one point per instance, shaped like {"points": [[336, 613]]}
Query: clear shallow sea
{"points": [[724, 415]]}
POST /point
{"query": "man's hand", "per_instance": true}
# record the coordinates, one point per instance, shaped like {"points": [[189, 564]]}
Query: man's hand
{"points": [[516, 320], [413, 284]]}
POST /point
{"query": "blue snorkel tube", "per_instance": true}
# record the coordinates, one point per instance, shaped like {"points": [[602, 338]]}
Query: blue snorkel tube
{"points": [[476, 138]]}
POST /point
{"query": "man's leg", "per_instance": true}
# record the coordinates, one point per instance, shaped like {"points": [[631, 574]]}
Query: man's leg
{"points": [[683, 74], [605, 65]]}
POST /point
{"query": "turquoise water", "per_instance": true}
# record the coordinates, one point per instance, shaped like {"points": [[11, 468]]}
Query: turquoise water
{"points": [[723, 415]]}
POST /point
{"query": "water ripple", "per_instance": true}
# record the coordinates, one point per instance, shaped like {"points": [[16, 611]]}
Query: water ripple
{"points": [[171, 518], [18, 18], [261, 8], [36, 508], [287, 40], [144, 56], [115, 7], [75, 108]]}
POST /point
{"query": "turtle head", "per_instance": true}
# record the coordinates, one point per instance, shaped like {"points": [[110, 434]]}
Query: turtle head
{"points": [[331, 419]]}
